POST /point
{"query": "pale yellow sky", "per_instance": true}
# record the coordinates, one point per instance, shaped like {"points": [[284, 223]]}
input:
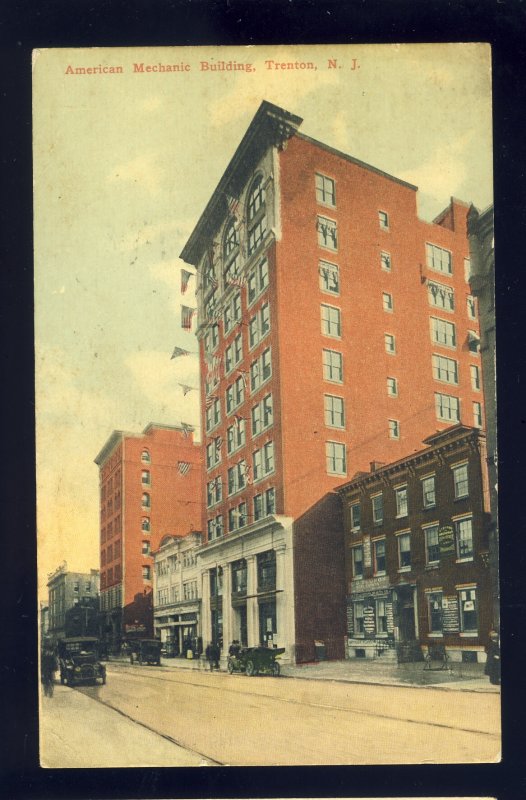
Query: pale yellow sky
{"points": [[123, 167]]}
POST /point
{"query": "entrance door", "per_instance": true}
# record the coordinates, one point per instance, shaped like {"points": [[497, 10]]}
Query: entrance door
{"points": [[241, 626], [407, 623]]}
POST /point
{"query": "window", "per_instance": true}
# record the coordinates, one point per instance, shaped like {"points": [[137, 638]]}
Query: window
{"points": [[145, 548], [447, 407], [257, 221], [264, 504], [146, 573], [357, 562], [378, 509], [401, 501], [329, 277], [237, 477], [383, 219], [325, 190], [235, 394], [256, 199], [266, 568], [440, 296], [212, 309], [390, 343], [231, 240], [262, 415], [460, 481], [404, 550], [145, 456], [327, 233], [145, 500], [381, 616], [331, 321], [234, 354], [335, 457], [428, 491], [333, 366], [438, 259], [214, 491], [232, 312], [355, 516], [213, 414], [435, 612], [473, 342], [359, 629], [464, 537], [385, 261], [259, 325], [76, 586], [236, 436], [213, 452], [467, 269], [468, 606], [256, 235], [231, 252], [215, 527], [145, 477], [145, 524], [237, 517], [212, 338], [443, 332], [263, 461], [475, 377], [257, 281], [334, 411], [379, 556], [394, 428], [392, 387], [387, 301], [471, 307], [210, 277], [445, 369], [260, 370], [477, 415]]}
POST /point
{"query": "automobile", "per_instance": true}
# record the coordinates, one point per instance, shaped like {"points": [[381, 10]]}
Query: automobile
{"points": [[79, 661], [256, 660], [146, 651]]}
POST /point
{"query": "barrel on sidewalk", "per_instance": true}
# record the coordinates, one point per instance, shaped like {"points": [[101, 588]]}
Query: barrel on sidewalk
{"points": [[320, 651]]}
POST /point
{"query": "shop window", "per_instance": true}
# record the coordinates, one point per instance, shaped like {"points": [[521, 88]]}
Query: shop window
{"points": [[468, 605], [435, 612]]}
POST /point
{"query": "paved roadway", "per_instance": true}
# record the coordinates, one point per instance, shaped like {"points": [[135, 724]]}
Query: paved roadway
{"points": [[235, 720]]}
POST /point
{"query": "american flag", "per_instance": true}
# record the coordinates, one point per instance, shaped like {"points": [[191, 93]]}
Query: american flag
{"points": [[179, 351], [210, 400], [248, 472], [233, 205], [186, 428], [238, 280], [186, 389], [185, 278], [187, 314], [184, 467], [237, 420], [219, 443]]}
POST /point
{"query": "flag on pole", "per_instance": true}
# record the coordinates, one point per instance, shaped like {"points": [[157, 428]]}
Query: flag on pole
{"points": [[218, 444], [186, 428], [210, 400], [243, 374], [248, 472], [179, 351], [187, 314], [233, 205], [237, 421], [186, 389], [184, 467], [238, 279], [185, 279]]}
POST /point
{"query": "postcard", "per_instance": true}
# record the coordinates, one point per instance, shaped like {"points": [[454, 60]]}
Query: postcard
{"points": [[265, 405]]}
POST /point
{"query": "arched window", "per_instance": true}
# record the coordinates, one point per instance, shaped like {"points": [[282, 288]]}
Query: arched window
{"points": [[145, 456], [145, 500], [256, 198], [145, 477], [231, 240], [145, 524], [231, 252]]}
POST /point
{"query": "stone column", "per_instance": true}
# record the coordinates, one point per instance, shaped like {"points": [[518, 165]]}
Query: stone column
{"points": [[252, 603], [228, 627], [281, 598], [206, 622]]}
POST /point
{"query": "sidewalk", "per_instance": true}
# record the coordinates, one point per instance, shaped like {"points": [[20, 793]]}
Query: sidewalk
{"points": [[461, 677]]}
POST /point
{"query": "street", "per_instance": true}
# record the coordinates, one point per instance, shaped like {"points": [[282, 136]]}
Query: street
{"points": [[177, 717]]}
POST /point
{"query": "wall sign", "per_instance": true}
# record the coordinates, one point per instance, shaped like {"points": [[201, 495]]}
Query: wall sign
{"points": [[450, 621], [446, 540]]}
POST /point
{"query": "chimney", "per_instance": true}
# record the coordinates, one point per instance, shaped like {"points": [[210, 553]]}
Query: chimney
{"points": [[375, 465]]}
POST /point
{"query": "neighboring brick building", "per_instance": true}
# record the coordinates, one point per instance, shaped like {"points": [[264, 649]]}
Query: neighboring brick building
{"points": [[416, 547], [482, 282], [176, 601], [335, 327], [66, 590], [150, 483]]}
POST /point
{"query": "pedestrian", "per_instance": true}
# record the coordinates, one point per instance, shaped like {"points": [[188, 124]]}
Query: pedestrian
{"points": [[234, 648], [209, 655], [492, 668], [47, 669], [216, 655]]}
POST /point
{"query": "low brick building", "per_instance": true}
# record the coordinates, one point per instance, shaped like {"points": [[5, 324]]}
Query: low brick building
{"points": [[416, 535]]}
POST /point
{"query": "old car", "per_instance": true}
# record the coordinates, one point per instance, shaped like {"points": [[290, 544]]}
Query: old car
{"points": [[79, 661], [146, 651], [256, 660]]}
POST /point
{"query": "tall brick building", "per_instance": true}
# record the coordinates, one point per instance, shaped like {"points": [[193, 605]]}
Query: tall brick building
{"points": [[335, 328], [150, 485]]}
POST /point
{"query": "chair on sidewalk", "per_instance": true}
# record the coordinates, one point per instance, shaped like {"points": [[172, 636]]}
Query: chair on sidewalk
{"points": [[437, 658]]}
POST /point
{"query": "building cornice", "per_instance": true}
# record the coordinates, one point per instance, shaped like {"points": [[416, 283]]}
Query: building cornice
{"points": [[271, 126]]}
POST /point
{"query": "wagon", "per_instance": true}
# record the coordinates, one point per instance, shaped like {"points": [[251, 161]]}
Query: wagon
{"points": [[255, 660]]}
